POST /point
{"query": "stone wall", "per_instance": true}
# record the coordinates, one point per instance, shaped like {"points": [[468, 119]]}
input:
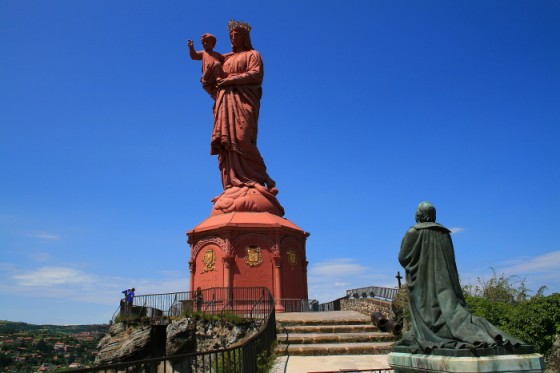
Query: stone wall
{"points": [[367, 306]]}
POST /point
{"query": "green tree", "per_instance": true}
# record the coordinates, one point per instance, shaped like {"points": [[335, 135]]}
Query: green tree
{"points": [[499, 289], [5, 360], [42, 346]]}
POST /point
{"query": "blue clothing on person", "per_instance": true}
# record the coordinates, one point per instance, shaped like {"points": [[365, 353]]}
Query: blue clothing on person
{"points": [[129, 295]]}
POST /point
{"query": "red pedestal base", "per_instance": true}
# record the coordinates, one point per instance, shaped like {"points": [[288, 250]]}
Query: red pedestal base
{"points": [[247, 249]]}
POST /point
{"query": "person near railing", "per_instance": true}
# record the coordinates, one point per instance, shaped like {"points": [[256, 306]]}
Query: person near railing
{"points": [[128, 300], [199, 299]]}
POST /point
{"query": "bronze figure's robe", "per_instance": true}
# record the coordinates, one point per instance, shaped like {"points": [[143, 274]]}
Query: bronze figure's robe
{"points": [[438, 310]]}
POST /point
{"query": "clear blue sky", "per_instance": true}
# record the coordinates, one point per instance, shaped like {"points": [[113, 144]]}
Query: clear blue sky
{"points": [[369, 108]]}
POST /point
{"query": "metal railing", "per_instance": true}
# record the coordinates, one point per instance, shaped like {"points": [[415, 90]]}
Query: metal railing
{"points": [[241, 301], [254, 303], [330, 306], [298, 305], [376, 292], [373, 292]]}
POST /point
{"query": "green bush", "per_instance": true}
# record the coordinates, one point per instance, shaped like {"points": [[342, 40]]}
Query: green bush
{"points": [[533, 319], [400, 309], [498, 313], [232, 318], [499, 289], [228, 363], [228, 317], [265, 360], [536, 322]]}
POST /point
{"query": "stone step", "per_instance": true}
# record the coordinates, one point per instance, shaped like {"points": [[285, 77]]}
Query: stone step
{"points": [[316, 338], [330, 333], [326, 329], [318, 318], [373, 348], [324, 322]]}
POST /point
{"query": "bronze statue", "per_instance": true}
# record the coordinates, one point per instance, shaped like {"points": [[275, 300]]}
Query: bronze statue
{"points": [[237, 92], [440, 321]]}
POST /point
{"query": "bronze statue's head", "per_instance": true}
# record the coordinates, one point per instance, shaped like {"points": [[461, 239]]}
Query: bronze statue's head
{"points": [[425, 212], [239, 35], [208, 41]]}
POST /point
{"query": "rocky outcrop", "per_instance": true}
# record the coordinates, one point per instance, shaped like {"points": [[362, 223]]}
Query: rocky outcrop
{"points": [[181, 337], [216, 335], [130, 342]]}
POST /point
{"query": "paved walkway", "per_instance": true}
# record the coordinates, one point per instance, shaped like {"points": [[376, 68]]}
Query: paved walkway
{"points": [[304, 364]]}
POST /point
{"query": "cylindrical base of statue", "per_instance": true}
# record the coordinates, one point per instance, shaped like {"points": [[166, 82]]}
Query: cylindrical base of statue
{"points": [[250, 249]]}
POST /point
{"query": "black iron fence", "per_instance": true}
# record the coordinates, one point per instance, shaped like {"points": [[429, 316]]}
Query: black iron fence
{"points": [[373, 292], [329, 306], [298, 305], [376, 292], [246, 302]]}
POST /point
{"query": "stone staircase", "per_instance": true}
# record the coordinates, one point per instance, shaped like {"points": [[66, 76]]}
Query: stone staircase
{"points": [[330, 333]]}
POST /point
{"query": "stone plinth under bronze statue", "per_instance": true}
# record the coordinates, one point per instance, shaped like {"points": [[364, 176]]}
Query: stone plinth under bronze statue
{"points": [[444, 336], [245, 242]]}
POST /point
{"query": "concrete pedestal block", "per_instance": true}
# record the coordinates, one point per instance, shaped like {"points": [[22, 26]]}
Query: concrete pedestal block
{"points": [[417, 363]]}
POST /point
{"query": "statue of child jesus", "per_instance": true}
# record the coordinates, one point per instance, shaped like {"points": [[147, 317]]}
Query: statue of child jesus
{"points": [[211, 62]]}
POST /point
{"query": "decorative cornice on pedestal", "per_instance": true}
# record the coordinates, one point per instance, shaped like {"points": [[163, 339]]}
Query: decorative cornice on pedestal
{"points": [[244, 220], [210, 240]]}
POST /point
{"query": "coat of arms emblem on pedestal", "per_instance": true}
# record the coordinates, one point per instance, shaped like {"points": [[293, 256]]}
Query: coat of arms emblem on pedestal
{"points": [[209, 260], [253, 258], [292, 258]]}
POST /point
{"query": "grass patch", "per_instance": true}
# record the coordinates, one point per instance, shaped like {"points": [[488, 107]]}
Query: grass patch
{"points": [[228, 317]]}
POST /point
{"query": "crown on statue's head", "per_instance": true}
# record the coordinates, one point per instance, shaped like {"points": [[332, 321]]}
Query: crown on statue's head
{"points": [[232, 25]]}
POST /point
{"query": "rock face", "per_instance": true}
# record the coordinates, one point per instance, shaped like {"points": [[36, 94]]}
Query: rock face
{"points": [[216, 335], [137, 342], [181, 337], [130, 343]]}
